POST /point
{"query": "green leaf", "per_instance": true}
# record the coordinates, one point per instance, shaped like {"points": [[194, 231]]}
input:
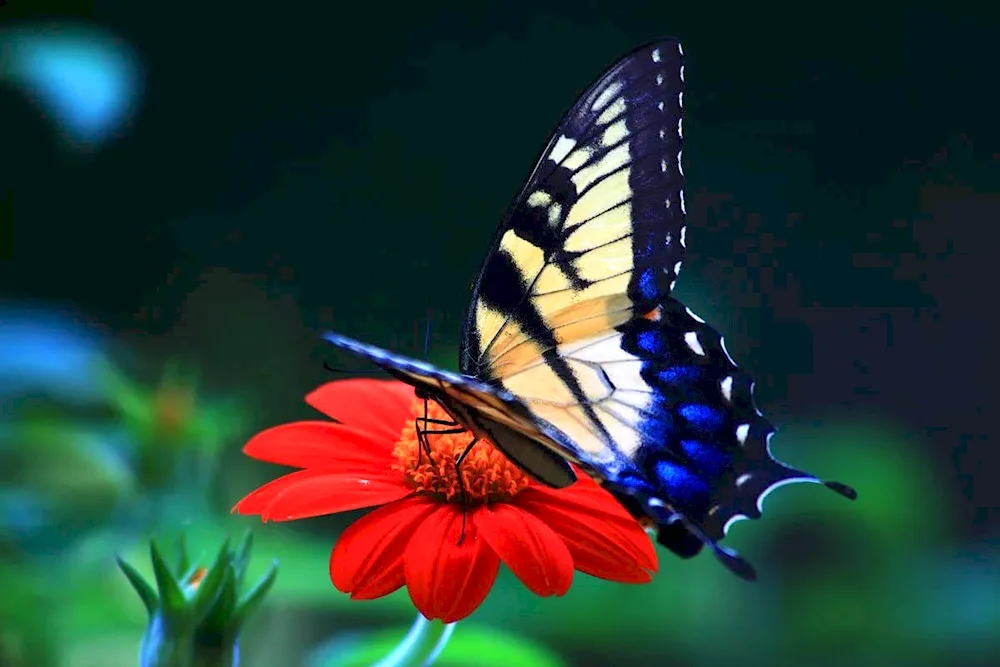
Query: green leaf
{"points": [[249, 603], [170, 590], [146, 593], [183, 558], [469, 646], [241, 557], [208, 589], [219, 617]]}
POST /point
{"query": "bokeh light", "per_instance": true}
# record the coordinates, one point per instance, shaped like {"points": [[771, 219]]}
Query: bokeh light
{"points": [[87, 81]]}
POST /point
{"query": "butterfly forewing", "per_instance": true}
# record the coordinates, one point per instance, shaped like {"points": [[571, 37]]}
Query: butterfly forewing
{"points": [[602, 215]]}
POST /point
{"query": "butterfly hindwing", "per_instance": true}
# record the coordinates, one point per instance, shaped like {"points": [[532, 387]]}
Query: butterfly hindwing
{"points": [[704, 445]]}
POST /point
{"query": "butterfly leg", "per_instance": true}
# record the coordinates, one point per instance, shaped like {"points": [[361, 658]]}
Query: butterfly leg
{"points": [[420, 425], [461, 483]]}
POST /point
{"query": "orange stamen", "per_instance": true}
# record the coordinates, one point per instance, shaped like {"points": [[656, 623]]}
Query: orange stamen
{"points": [[487, 474]]}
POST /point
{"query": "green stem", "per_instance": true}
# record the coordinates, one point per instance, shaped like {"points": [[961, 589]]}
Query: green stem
{"points": [[421, 646]]}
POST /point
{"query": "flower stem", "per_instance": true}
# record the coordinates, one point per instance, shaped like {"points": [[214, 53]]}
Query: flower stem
{"points": [[421, 646]]}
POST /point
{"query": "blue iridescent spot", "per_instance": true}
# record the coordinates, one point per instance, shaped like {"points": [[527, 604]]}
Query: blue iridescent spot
{"points": [[647, 284], [650, 342], [679, 374], [683, 486], [709, 460], [657, 423], [703, 418]]}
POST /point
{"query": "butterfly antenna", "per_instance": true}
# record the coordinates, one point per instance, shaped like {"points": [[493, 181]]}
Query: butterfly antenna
{"points": [[346, 371]]}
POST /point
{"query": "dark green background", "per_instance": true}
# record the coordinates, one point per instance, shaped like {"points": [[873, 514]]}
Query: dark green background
{"points": [[297, 167]]}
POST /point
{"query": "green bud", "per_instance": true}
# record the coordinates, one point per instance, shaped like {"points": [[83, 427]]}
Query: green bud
{"points": [[196, 613]]}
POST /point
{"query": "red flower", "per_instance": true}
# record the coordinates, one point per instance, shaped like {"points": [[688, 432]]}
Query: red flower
{"points": [[542, 534]]}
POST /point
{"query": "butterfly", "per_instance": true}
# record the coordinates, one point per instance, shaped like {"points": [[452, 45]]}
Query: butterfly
{"points": [[573, 349]]}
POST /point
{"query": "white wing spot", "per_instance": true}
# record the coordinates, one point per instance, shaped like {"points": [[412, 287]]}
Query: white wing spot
{"points": [[684, 236], [722, 343], [691, 313], [680, 99], [656, 55], [742, 431], [683, 209], [672, 284], [562, 148], [659, 105], [606, 96], [727, 388], [539, 198], [691, 338], [666, 203], [555, 214], [753, 385], [663, 165], [743, 479], [679, 49], [682, 73], [663, 133], [677, 272], [659, 79], [680, 126]]}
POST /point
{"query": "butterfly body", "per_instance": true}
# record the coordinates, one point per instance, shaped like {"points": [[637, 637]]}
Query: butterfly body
{"points": [[573, 348]]}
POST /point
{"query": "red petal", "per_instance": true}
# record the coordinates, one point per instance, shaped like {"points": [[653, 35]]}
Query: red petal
{"points": [[380, 407], [602, 546], [313, 444], [315, 492], [585, 496], [367, 561], [448, 580], [532, 550]]}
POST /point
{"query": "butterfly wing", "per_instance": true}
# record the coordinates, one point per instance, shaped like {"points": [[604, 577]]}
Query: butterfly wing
{"points": [[595, 239], [572, 316], [482, 408], [602, 215]]}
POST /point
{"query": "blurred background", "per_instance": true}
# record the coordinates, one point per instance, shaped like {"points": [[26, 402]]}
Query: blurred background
{"points": [[190, 194]]}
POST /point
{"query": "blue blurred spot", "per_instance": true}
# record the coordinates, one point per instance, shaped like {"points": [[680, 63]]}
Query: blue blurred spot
{"points": [[39, 351], [84, 80], [21, 512]]}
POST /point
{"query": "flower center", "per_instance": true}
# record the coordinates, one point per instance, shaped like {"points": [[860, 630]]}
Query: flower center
{"points": [[487, 474]]}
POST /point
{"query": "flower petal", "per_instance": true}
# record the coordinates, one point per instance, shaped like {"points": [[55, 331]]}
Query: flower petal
{"points": [[380, 407], [316, 492], [532, 550], [602, 546], [313, 444], [585, 496], [367, 561], [445, 579]]}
